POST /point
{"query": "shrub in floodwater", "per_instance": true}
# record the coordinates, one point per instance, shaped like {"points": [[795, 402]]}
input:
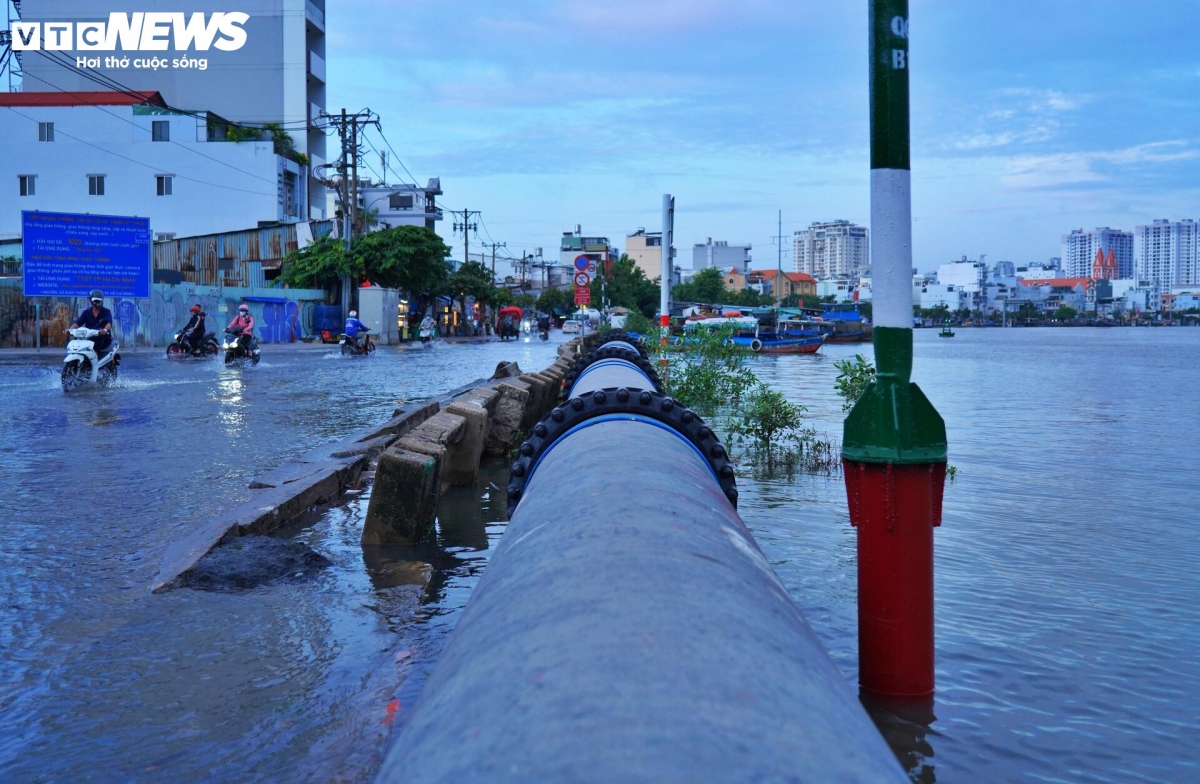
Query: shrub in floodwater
{"points": [[706, 371], [772, 428], [853, 378]]}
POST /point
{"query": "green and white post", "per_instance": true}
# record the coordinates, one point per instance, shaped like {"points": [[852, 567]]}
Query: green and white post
{"points": [[894, 441]]}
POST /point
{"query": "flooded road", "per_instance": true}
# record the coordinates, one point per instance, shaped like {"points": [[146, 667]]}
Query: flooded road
{"points": [[288, 681], [1068, 600]]}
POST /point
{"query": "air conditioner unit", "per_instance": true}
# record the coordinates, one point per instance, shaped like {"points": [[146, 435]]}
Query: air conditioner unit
{"points": [[164, 236]]}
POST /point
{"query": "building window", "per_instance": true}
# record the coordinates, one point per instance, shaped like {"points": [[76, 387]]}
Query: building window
{"points": [[400, 201], [95, 185], [164, 183], [28, 184], [161, 131], [45, 132]]}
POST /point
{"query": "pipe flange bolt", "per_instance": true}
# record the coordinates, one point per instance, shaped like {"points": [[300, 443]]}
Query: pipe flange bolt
{"points": [[620, 400]]}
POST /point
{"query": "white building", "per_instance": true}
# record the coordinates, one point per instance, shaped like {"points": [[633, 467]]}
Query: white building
{"points": [[721, 254], [109, 153], [277, 76], [963, 274], [1079, 251], [951, 296], [1168, 253], [837, 249], [400, 205], [842, 290], [1041, 270]]}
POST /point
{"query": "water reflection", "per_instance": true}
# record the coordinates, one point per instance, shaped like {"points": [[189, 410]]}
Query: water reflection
{"points": [[904, 723]]}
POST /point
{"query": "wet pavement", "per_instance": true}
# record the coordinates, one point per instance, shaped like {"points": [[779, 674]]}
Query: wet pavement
{"points": [[287, 681]]}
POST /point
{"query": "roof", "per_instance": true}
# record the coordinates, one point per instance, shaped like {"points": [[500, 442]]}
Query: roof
{"points": [[795, 277], [1057, 282], [97, 98]]}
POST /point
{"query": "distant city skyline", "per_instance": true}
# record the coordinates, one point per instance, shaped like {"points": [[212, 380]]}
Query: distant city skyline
{"points": [[547, 114]]}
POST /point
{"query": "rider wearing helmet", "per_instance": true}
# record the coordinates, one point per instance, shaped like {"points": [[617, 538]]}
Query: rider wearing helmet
{"points": [[354, 326], [244, 322], [97, 317], [193, 331]]}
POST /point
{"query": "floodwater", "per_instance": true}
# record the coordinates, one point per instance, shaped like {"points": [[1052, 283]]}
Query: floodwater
{"points": [[290, 681], [1068, 601], [1067, 588]]}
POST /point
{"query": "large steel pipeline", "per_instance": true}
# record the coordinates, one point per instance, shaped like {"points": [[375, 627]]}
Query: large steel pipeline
{"points": [[628, 628]]}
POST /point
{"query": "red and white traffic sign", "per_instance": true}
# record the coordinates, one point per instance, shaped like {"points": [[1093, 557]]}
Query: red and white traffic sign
{"points": [[582, 279], [582, 262], [583, 296]]}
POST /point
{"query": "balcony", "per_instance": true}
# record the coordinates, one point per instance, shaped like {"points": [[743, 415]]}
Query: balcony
{"points": [[314, 15], [316, 66]]}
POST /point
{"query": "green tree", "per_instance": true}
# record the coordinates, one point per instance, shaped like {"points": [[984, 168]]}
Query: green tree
{"points": [[626, 286], [321, 264], [810, 301], [708, 285], [551, 299], [472, 279], [1065, 313], [525, 301]]}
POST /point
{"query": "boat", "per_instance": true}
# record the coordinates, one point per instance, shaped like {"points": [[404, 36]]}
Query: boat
{"points": [[946, 331], [792, 336], [844, 323], [779, 343]]}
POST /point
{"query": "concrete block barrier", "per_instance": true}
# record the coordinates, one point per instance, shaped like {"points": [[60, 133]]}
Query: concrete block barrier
{"points": [[505, 423], [461, 466], [403, 499]]}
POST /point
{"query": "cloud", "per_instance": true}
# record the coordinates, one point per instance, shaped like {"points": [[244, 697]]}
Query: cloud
{"points": [[1076, 169]]}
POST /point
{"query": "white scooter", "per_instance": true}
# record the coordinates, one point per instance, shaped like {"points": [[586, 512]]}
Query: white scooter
{"points": [[81, 364], [426, 335]]}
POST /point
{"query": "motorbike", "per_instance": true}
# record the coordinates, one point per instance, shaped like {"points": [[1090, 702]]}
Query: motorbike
{"points": [[351, 348], [426, 334], [239, 348], [544, 332], [207, 347], [81, 363]]}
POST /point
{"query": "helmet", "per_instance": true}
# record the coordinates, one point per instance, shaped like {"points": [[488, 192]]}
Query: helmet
{"points": [[243, 308], [354, 314], [195, 308], [96, 294]]}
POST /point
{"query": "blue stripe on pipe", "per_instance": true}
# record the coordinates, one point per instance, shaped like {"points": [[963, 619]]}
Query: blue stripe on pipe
{"points": [[620, 418], [622, 344], [613, 363]]}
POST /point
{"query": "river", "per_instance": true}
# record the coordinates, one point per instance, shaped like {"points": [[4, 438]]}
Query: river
{"points": [[1068, 603]]}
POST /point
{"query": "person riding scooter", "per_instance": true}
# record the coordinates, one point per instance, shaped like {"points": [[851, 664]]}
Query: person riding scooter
{"points": [[193, 332], [353, 327], [426, 328], [245, 323], [97, 317], [543, 324]]}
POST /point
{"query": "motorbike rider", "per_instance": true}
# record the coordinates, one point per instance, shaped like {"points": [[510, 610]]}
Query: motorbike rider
{"points": [[99, 318], [353, 327], [244, 322], [428, 323], [543, 322], [193, 331]]}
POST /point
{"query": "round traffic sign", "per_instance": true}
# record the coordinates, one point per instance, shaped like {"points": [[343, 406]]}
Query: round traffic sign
{"points": [[581, 262], [582, 279]]}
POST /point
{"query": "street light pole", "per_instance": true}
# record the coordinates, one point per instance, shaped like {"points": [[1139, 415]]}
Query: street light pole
{"points": [[894, 441]]}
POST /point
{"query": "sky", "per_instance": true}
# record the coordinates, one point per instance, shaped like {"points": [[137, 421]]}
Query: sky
{"points": [[1029, 117]]}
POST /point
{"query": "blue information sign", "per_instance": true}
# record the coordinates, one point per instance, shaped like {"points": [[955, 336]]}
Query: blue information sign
{"points": [[68, 255], [582, 262]]}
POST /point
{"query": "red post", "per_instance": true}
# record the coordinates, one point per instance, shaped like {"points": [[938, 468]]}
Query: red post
{"points": [[894, 509]]}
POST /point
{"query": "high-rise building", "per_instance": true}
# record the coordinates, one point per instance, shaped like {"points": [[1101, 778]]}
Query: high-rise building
{"points": [[837, 249], [1168, 253], [1079, 251], [276, 76]]}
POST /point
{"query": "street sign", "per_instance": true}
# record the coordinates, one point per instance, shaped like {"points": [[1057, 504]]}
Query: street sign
{"points": [[68, 255], [582, 262], [591, 268], [582, 279], [583, 296]]}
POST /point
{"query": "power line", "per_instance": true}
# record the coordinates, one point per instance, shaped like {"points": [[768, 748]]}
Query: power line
{"points": [[139, 163]]}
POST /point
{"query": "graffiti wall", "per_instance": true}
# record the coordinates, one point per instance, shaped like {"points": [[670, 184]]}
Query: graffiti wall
{"points": [[280, 315]]}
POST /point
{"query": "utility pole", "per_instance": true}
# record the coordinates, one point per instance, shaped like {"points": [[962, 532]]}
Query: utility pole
{"points": [[894, 441], [664, 300], [466, 227], [348, 131], [779, 272], [494, 246]]}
